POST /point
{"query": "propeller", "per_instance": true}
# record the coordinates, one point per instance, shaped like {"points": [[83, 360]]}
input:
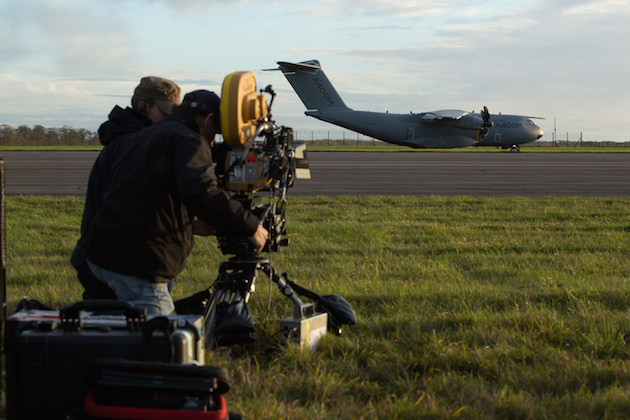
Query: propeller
{"points": [[485, 116]]}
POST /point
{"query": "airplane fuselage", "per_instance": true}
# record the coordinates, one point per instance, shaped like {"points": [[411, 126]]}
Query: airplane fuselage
{"points": [[413, 130]]}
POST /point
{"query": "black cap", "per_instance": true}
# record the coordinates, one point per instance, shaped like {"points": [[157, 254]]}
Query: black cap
{"points": [[204, 101]]}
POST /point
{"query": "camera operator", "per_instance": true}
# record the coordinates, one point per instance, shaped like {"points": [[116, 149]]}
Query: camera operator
{"points": [[162, 181], [152, 100]]}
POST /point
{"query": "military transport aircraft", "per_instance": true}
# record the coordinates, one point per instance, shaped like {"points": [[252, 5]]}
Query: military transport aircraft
{"points": [[436, 129]]}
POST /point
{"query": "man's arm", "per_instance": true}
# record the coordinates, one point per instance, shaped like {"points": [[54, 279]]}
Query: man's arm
{"points": [[197, 184]]}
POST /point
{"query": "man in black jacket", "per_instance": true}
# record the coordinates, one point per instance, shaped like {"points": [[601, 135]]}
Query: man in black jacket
{"points": [[162, 183], [152, 100]]}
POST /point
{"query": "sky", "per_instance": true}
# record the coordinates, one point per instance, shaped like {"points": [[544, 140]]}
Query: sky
{"points": [[68, 62]]}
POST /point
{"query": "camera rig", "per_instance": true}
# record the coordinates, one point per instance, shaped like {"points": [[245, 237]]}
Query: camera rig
{"points": [[256, 157], [257, 163]]}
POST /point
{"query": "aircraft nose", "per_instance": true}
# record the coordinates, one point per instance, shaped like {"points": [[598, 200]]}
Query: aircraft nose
{"points": [[540, 133]]}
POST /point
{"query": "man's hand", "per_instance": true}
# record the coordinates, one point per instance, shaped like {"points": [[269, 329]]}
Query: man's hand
{"points": [[259, 238]]}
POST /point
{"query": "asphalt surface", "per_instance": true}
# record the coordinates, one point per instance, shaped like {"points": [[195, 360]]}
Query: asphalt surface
{"points": [[345, 173]]}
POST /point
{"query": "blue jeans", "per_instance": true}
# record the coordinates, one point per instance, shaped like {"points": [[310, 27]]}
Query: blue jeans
{"points": [[155, 297]]}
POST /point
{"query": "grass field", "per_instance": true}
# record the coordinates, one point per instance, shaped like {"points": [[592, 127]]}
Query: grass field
{"points": [[510, 308]]}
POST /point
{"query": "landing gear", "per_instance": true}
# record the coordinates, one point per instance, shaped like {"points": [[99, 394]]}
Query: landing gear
{"points": [[514, 148]]}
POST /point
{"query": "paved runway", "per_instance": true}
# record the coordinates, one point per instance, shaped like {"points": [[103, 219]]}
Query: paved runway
{"points": [[345, 173]]}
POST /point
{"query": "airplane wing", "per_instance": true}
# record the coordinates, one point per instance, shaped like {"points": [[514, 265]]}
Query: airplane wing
{"points": [[445, 114]]}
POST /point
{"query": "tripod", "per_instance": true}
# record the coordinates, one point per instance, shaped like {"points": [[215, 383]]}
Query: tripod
{"points": [[226, 317]]}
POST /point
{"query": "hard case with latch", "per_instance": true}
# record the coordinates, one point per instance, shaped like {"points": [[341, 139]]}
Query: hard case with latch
{"points": [[49, 353]]}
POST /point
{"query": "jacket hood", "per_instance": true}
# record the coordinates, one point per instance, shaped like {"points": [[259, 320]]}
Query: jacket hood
{"points": [[121, 121]]}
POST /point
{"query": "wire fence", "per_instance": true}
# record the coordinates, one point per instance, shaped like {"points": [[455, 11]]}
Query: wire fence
{"points": [[350, 138], [42, 136]]}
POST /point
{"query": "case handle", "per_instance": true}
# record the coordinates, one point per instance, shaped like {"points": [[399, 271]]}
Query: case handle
{"points": [[70, 316]]}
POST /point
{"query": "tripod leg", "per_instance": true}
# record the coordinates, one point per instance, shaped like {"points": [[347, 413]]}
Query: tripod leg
{"points": [[227, 318], [209, 320]]}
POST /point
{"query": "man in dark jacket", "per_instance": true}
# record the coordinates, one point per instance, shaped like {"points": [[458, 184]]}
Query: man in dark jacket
{"points": [[161, 184], [153, 99]]}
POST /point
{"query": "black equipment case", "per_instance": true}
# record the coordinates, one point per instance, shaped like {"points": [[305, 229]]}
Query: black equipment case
{"points": [[49, 354]]}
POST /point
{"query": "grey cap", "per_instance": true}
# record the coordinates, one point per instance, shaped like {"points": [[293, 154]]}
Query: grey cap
{"points": [[165, 93]]}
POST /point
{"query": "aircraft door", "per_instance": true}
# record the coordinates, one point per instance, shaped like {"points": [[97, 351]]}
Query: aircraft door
{"points": [[410, 133], [497, 138]]}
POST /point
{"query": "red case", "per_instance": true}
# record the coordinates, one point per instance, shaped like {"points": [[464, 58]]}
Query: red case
{"points": [[97, 411], [155, 391]]}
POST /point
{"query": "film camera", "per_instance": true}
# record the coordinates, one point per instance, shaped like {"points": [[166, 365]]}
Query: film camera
{"points": [[257, 161]]}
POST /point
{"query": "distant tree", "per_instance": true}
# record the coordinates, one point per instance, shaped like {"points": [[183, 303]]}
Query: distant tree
{"points": [[24, 135], [89, 137], [7, 135], [39, 135]]}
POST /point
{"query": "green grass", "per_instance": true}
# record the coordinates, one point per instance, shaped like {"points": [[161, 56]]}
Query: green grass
{"points": [[468, 308]]}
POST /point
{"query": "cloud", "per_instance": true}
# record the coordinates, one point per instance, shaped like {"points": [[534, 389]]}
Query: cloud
{"points": [[602, 7], [63, 37], [186, 7], [198, 82], [529, 56], [410, 9]]}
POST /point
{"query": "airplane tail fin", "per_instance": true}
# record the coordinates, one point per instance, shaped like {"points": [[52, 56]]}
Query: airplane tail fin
{"points": [[311, 85]]}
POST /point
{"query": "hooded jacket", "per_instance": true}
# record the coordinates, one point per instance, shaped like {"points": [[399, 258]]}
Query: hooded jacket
{"points": [[121, 124], [162, 180]]}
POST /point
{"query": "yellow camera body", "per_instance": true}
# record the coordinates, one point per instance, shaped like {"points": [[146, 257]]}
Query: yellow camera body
{"points": [[241, 108]]}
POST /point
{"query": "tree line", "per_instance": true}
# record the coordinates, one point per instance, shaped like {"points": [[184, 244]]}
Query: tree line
{"points": [[39, 135]]}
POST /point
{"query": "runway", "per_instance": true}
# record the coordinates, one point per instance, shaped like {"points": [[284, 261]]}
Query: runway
{"points": [[367, 173]]}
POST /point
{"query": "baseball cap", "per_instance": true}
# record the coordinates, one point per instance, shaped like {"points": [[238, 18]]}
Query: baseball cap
{"points": [[165, 93], [204, 101]]}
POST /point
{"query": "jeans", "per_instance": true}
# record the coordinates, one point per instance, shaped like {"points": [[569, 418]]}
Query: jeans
{"points": [[154, 297]]}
